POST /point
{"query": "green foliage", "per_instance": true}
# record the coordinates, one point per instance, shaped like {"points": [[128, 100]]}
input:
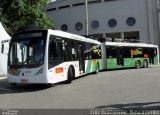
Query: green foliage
{"points": [[17, 14]]}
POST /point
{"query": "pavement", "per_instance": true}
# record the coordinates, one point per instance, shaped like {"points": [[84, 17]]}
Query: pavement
{"points": [[2, 78], [117, 89]]}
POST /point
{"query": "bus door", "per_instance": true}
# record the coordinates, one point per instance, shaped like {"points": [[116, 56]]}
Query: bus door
{"points": [[152, 52], [120, 56], [81, 57], [151, 55]]}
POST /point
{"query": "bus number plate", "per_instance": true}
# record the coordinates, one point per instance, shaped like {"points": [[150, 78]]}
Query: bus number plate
{"points": [[24, 81]]}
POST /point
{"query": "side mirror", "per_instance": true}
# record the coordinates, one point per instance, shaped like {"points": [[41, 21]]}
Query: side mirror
{"points": [[2, 49]]}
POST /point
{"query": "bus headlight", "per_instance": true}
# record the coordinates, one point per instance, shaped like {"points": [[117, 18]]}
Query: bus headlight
{"points": [[14, 71]]}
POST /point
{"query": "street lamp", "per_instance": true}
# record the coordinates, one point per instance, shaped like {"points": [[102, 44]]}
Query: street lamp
{"points": [[86, 17]]}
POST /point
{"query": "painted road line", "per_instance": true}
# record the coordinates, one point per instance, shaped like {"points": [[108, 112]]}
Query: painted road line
{"points": [[5, 89]]}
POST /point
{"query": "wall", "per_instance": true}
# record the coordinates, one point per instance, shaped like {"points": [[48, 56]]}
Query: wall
{"points": [[144, 11]]}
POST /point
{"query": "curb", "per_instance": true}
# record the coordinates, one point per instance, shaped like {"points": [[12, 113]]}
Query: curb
{"points": [[2, 78]]}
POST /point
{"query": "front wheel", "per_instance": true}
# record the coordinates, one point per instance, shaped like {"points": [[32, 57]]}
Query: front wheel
{"points": [[70, 75]]}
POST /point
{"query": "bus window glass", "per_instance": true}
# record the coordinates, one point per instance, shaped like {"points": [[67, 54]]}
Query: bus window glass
{"points": [[136, 52], [27, 52], [127, 53], [88, 48], [96, 52], [145, 52], [72, 50], [55, 55], [111, 52]]}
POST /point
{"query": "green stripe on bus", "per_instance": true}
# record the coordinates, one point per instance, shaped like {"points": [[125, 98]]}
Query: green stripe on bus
{"points": [[91, 65], [111, 63], [88, 66], [128, 62], [156, 59]]}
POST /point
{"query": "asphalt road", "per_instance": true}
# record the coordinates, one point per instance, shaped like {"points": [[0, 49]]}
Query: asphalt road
{"points": [[127, 88]]}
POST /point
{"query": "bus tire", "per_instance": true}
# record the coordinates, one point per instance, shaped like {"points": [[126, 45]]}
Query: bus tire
{"points": [[71, 75], [97, 69], [145, 64], [138, 64]]}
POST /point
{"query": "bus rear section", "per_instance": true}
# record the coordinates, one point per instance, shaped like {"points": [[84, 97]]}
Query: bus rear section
{"points": [[127, 55]]}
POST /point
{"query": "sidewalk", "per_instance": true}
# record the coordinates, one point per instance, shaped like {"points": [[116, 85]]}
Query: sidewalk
{"points": [[3, 77]]}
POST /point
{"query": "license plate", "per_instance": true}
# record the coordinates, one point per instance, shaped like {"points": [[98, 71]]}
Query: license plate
{"points": [[24, 81]]}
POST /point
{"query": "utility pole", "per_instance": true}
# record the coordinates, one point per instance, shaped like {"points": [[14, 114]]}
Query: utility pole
{"points": [[86, 18]]}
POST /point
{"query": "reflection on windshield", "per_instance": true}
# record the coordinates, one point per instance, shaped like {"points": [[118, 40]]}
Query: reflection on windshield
{"points": [[28, 52]]}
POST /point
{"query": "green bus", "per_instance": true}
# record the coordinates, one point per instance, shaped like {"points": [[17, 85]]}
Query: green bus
{"points": [[125, 55]]}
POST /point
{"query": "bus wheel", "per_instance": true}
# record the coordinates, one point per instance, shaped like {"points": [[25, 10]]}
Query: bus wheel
{"points": [[97, 69], [138, 64], [145, 63], [71, 74]]}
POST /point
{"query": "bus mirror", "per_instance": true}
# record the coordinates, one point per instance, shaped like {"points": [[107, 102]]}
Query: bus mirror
{"points": [[2, 49]]}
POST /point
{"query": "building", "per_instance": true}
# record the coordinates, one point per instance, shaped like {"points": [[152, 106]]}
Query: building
{"points": [[115, 20]]}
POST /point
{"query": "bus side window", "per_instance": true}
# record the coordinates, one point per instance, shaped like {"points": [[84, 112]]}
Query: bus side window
{"points": [[96, 52], [111, 52], [88, 54], [127, 52], [72, 50], [55, 53]]}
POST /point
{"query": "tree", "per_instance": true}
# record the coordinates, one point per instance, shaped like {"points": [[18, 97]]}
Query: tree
{"points": [[17, 14]]}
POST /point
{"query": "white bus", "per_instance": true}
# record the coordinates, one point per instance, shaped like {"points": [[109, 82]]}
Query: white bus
{"points": [[51, 56]]}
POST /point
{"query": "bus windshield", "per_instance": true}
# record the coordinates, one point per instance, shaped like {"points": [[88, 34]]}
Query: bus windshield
{"points": [[28, 52]]}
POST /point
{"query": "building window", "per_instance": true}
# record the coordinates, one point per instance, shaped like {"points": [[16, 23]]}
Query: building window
{"points": [[64, 27], [131, 21], [112, 22], [78, 26], [95, 24]]}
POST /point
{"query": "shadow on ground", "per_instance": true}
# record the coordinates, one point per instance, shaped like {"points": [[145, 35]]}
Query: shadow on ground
{"points": [[132, 106], [5, 87]]}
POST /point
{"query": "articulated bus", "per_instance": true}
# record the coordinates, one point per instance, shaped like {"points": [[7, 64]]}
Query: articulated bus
{"points": [[52, 56], [127, 55]]}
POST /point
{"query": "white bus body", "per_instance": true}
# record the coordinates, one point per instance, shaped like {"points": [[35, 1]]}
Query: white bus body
{"points": [[21, 46]]}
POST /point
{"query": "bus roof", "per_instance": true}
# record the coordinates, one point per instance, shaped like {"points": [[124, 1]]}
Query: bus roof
{"points": [[130, 44], [63, 34]]}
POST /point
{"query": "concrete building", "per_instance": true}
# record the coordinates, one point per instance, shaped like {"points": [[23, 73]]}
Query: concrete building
{"points": [[116, 20]]}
